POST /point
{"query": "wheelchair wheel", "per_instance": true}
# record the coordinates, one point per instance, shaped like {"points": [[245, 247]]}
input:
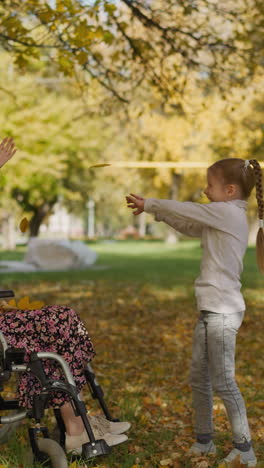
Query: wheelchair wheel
{"points": [[55, 453], [6, 431]]}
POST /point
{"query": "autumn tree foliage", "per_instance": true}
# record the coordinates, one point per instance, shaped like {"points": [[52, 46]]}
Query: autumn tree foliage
{"points": [[126, 44]]}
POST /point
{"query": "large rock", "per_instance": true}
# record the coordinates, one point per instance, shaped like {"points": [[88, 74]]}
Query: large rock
{"points": [[59, 254], [12, 266], [51, 255]]}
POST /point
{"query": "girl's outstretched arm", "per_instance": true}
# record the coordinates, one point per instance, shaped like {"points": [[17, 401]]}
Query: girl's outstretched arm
{"points": [[188, 228], [219, 215], [193, 229], [7, 150]]}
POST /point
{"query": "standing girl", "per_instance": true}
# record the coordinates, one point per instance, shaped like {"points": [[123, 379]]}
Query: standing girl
{"points": [[223, 228]]}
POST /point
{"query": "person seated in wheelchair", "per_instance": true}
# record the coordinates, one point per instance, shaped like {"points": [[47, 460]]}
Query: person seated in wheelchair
{"points": [[58, 329]]}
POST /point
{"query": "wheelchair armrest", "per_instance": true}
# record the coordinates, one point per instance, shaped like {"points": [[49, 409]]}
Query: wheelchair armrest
{"points": [[14, 356], [7, 293]]}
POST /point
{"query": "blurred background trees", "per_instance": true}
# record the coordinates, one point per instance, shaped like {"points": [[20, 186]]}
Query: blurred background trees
{"points": [[83, 83]]}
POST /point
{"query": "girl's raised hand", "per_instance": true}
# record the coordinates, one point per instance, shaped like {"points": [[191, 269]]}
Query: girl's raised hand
{"points": [[135, 201], [7, 150]]}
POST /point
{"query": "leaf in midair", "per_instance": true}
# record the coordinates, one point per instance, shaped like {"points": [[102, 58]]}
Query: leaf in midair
{"points": [[99, 165], [24, 225]]}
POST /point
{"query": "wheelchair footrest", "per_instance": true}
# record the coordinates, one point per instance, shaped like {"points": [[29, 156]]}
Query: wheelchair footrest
{"points": [[94, 449]]}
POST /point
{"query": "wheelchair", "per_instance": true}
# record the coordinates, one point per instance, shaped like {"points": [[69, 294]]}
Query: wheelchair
{"points": [[46, 450]]}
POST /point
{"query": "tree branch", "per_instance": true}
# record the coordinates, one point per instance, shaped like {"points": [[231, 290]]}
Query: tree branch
{"points": [[28, 44]]}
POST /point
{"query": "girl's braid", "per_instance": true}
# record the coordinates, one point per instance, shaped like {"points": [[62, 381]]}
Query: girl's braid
{"points": [[259, 187]]}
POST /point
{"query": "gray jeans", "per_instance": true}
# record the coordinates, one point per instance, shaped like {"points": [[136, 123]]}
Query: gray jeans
{"points": [[213, 369]]}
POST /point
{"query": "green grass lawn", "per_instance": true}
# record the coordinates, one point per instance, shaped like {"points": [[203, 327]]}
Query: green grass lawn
{"points": [[140, 312], [151, 261]]}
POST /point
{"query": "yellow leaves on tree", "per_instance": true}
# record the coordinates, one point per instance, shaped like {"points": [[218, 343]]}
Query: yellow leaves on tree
{"points": [[46, 15]]}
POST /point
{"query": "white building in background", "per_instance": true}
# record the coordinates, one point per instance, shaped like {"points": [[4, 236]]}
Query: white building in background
{"points": [[62, 224]]}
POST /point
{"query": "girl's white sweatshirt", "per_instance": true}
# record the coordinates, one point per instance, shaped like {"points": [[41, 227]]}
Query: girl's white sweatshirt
{"points": [[223, 228]]}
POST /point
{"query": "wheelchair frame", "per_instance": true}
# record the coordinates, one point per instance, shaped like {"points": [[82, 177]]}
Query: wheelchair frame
{"points": [[12, 360]]}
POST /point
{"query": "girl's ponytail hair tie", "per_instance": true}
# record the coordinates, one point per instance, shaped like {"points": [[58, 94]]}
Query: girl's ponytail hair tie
{"points": [[247, 162], [261, 224]]}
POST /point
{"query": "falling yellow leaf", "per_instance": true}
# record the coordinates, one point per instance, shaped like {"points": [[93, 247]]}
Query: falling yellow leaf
{"points": [[24, 225], [99, 165]]}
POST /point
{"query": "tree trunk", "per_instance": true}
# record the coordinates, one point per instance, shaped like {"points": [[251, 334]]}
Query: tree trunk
{"points": [[142, 224], [8, 231], [173, 236], [40, 213]]}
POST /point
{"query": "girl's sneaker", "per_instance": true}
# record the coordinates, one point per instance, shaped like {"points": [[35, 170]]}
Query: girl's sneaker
{"points": [[202, 449], [247, 458], [100, 421], [74, 443]]}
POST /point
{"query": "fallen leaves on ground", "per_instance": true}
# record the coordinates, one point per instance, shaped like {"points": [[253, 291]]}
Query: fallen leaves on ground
{"points": [[24, 303], [143, 337], [236, 463]]}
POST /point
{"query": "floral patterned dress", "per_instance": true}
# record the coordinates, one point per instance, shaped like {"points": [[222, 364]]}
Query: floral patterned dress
{"points": [[54, 328]]}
